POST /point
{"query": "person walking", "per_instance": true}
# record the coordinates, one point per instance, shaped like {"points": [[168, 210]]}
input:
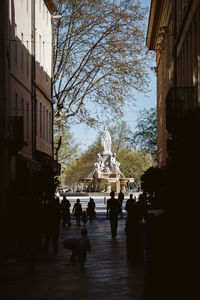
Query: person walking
{"points": [[113, 210], [121, 198], [91, 209], [77, 211], [134, 230], [84, 218], [52, 224], [65, 207]]}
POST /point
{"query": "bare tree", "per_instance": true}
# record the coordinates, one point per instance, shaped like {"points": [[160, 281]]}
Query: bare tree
{"points": [[99, 58]]}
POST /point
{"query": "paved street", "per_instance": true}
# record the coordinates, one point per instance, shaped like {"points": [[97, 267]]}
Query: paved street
{"points": [[106, 274]]}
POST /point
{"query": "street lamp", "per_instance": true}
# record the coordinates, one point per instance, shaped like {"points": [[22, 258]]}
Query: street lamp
{"points": [[56, 16]]}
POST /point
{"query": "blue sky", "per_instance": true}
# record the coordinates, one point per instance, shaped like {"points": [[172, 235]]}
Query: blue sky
{"points": [[85, 136]]}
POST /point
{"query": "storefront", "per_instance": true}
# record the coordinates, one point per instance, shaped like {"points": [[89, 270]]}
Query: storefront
{"points": [[49, 169]]}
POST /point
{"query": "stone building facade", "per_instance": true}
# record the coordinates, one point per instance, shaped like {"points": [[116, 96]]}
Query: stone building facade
{"points": [[174, 34], [26, 108]]}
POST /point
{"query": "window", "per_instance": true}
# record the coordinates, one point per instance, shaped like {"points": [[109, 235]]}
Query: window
{"points": [[47, 76], [36, 117], [50, 127], [40, 50], [16, 104], [22, 105], [44, 123], [41, 120], [28, 121], [43, 10], [36, 45], [22, 52], [27, 59], [47, 18], [43, 53], [16, 43], [47, 123]]}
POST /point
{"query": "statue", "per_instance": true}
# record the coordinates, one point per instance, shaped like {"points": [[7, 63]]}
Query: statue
{"points": [[97, 169], [106, 173], [100, 160], [114, 163], [106, 142]]}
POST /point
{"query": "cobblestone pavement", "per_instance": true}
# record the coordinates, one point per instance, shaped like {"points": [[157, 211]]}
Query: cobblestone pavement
{"points": [[105, 276]]}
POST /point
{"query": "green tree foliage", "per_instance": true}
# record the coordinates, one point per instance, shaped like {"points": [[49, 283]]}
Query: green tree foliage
{"points": [[145, 136], [99, 58], [134, 163], [83, 166], [68, 150]]}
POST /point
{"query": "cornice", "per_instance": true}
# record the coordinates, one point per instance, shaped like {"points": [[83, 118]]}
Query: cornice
{"points": [[154, 18], [51, 5]]}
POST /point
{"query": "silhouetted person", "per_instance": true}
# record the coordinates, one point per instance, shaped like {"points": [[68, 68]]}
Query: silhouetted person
{"points": [[84, 218], [77, 211], [65, 207], [91, 209], [134, 234], [113, 210], [158, 255], [32, 227], [52, 224], [121, 199], [134, 210], [83, 246]]}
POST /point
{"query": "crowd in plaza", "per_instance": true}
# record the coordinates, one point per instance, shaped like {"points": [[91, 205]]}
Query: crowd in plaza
{"points": [[41, 234]]}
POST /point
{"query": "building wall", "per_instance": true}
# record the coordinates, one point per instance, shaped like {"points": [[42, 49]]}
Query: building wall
{"points": [[24, 172], [174, 33], [44, 124], [43, 46], [43, 50], [4, 160], [22, 49], [20, 100]]}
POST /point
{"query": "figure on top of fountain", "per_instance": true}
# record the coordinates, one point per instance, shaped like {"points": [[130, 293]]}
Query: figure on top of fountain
{"points": [[106, 142]]}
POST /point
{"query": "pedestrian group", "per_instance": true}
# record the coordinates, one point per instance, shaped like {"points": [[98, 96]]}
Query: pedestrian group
{"points": [[51, 213]]}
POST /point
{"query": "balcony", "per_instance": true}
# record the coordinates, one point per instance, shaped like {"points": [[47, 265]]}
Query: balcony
{"points": [[181, 102]]}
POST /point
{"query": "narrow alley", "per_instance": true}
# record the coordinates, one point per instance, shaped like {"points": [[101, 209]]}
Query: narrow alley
{"points": [[106, 274]]}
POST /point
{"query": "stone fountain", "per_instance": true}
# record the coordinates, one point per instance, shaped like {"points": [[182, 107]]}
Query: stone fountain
{"points": [[106, 176]]}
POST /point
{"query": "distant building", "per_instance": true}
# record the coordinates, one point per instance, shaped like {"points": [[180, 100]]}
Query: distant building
{"points": [[174, 33], [26, 108]]}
